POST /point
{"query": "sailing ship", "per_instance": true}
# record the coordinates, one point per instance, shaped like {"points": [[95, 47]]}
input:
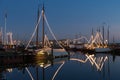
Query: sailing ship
{"points": [[6, 39], [105, 44], [97, 42], [46, 48], [41, 51]]}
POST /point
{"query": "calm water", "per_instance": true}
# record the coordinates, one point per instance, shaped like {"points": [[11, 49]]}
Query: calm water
{"points": [[77, 67]]}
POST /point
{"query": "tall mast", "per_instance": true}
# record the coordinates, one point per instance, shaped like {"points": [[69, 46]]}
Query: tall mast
{"points": [[43, 32], [113, 39], [103, 34], [37, 32], [5, 36], [108, 35], [92, 34], [1, 36]]}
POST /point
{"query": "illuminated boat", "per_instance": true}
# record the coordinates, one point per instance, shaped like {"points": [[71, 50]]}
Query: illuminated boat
{"points": [[44, 47]]}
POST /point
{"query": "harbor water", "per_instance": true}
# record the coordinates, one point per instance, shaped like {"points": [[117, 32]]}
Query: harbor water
{"points": [[77, 66]]}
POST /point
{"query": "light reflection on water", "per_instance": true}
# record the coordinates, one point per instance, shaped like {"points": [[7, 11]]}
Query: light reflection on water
{"points": [[78, 66]]}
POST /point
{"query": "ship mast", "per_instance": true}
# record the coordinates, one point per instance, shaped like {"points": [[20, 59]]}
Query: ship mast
{"points": [[108, 35], [43, 28], [1, 36], [103, 35], [37, 32], [92, 34], [5, 36]]}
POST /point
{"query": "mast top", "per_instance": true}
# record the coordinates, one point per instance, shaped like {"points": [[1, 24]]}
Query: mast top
{"points": [[43, 8]]}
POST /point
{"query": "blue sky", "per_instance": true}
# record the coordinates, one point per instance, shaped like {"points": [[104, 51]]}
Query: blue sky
{"points": [[66, 17]]}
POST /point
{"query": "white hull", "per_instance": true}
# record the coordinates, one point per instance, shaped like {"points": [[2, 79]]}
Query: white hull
{"points": [[102, 49]]}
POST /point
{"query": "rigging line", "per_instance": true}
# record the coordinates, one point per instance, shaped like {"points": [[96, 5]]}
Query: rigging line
{"points": [[34, 31], [29, 73], [52, 32], [94, 40], [46, 42], [58, 70], [90, 39], [100, 38], [82, 37]]}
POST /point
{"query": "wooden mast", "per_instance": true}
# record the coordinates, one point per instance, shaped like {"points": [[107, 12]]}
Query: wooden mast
{"points": [[37, 32], [108, 35], [43, 32], [103, 35], [5, 36]]}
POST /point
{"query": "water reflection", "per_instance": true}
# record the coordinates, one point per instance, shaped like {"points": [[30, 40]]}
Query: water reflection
{"points": [[33, 68], [97, 61]]}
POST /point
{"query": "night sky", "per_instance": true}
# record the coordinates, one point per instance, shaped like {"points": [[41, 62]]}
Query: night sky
{"points": [[67, 18]]}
